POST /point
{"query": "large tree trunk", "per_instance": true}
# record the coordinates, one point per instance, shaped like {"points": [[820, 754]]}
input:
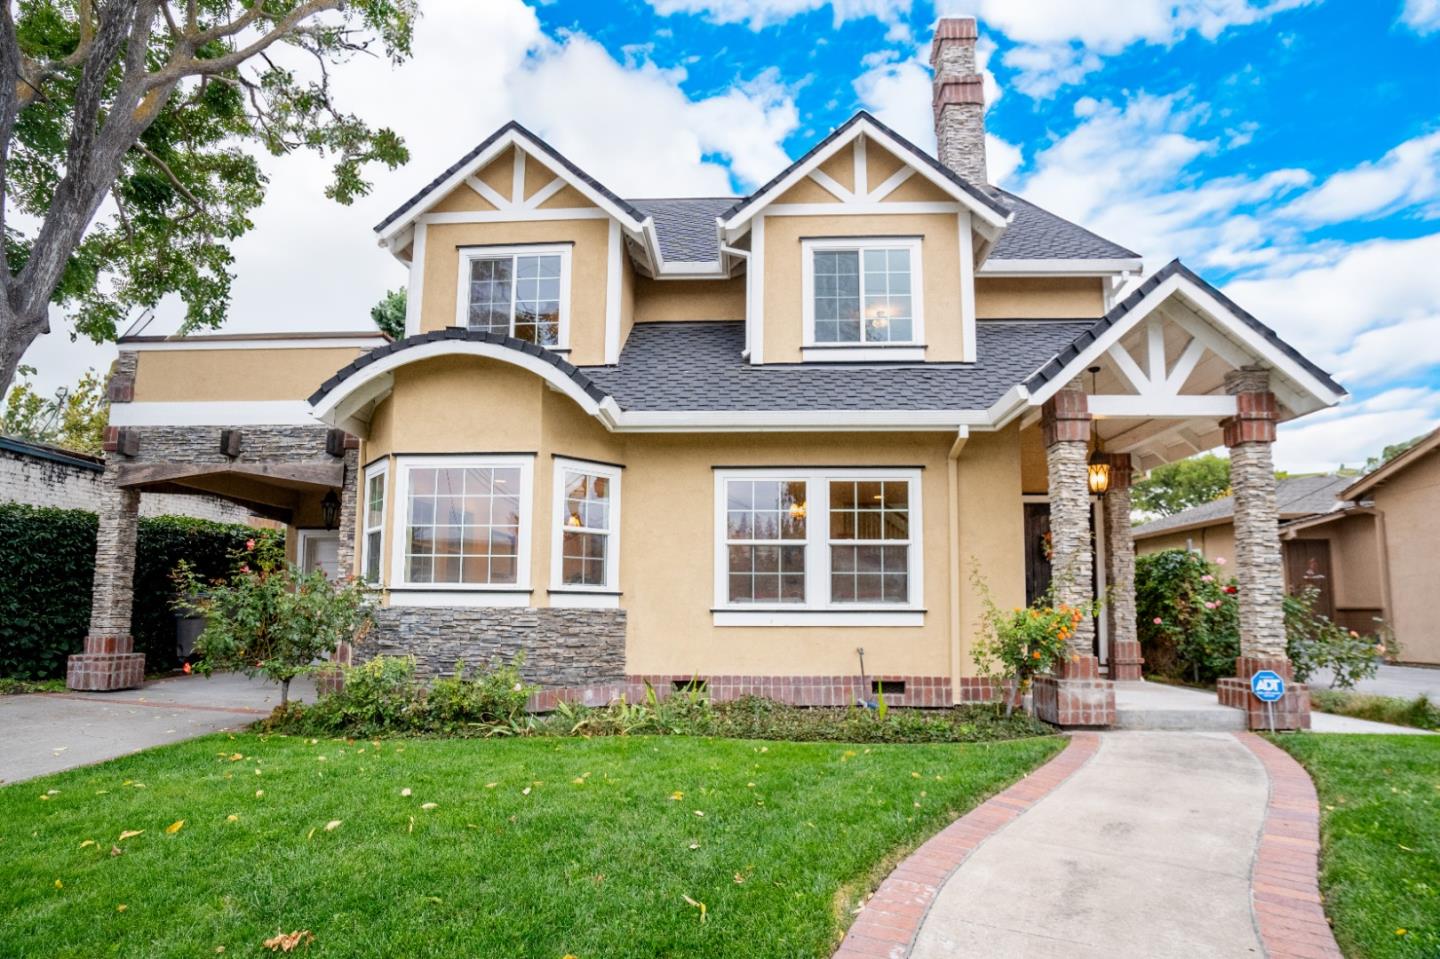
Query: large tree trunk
{"points": [[16, 335]]}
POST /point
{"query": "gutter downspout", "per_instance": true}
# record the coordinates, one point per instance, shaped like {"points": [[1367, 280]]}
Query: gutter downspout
{"points": [[1383, 545], [952, 491], [725, 248]]}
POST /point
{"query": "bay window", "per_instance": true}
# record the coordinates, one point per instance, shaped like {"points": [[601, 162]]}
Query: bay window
{"points": [[373, 523], [818, 546], [521, 291], [585, 556]]}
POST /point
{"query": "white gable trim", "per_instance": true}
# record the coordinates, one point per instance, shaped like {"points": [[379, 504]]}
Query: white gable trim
{"points": [[986, 218]]}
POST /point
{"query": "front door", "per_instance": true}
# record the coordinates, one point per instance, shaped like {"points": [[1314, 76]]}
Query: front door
{"points": [[1037, 550], [1307, 563], [320, 549]]}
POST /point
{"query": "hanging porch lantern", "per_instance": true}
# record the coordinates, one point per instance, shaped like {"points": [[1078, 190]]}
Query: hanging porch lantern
{"points": [[1099, 464], [330, 510]]}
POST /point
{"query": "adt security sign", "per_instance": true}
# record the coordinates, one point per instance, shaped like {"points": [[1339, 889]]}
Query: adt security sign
{"points": [[1268, 686]]}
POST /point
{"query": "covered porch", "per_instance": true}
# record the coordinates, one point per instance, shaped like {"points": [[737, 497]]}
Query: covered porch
{"points": [[1173, 370]]}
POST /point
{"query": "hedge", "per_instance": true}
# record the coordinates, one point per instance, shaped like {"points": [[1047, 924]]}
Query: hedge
{"points": [[47, 565]]}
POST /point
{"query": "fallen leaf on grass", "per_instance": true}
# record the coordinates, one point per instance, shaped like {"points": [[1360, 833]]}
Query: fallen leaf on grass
{"points": [[289, 941], [332, 825], [88, 842], [232, 818], [405, 791], [698, 905], [525, 791], [116, 850], [121, 908], [411, 827], [677, 795], [739, 879], [428, 805], [174, 827], [129, 834], [59, 884], [491, 785]]}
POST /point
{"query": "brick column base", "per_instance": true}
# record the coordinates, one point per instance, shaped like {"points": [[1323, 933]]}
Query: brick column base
{"points": [[1125, 660], [1075, 696], [1290, 712], [104, 671]]}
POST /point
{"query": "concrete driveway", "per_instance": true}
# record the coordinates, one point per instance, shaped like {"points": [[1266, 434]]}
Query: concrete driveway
{"points": [[1407, 682], [49, 732]]}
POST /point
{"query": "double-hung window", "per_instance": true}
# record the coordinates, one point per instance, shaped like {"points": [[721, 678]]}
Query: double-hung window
{"points": [[374, 522], [585, 556], [521, 291], [818, 546], [862, 292], [463, 523]]}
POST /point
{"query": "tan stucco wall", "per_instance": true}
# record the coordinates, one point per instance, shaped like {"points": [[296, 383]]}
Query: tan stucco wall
{"points": [[668, 523], [1003, 298], [587, 273], [1410, 502], [940, 256], [1034, 467], [1213, 541], [659, 301], [235, 375], [1354, 560]]}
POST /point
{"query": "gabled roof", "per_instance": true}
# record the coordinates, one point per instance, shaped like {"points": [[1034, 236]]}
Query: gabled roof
{"points": [[992, 210], [1064, 366], [1037, 234], [492, 146], [1399, 464], [1294, 497], [685, 226]]}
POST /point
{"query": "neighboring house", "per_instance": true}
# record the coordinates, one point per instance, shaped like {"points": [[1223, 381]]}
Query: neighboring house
{"points": [[38, 474], [738, 438], [1368, 545]]}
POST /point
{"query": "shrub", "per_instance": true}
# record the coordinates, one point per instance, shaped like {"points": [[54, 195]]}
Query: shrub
{"points": [[47, 566], [270, 617], [1014, 647], [1419, 712], [1314, 642]]}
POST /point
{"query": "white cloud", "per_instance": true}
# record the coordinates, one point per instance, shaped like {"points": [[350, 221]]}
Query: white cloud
{"points": [[1422, 16], [1352, 432], [1059, 42], [1407, 176], [758, 14], [311, 264]]}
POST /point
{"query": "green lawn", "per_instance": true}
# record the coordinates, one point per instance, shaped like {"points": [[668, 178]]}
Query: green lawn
{"points": [[1380, 829], [537, 847]]}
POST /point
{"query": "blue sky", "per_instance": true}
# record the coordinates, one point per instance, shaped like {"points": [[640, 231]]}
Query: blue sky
{"points": [[1289, 150]]}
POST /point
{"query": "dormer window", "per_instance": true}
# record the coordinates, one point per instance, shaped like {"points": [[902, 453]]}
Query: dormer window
{"points": [[862, 298], [522, 292]]}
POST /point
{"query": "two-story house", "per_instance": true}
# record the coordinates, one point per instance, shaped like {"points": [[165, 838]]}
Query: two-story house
{"points": [[733, 438]]}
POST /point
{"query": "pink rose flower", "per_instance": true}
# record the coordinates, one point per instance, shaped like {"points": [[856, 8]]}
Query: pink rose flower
{"points": [[1157, 620], [1219, 561], [1207, 578], [250, 544], [244, 568]]}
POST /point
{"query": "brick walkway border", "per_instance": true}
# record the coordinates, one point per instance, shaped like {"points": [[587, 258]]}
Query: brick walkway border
{"points": [[889, 921], [1284, 887]]}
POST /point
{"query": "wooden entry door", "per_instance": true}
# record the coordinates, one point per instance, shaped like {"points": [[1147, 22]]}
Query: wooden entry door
{"points": [[1037, 550], [1307, 563]]}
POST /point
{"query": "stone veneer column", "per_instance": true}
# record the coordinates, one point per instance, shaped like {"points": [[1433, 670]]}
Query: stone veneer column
{"points": [[350, 506], [1258, 565], [1075, 695], [109, 660], [1125, 659]]}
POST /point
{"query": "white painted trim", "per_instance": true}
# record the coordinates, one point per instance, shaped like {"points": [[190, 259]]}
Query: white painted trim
{"points": [[1102, 579], [559, 466], [755, 291], [380, 468], [861, 208], [1184, 365], [1070, 267], [817, 544], [1125, 363], [513, 216], [614, 263], [279, 342], [304, 536], [517, 178], [468, 599], [1162, 407], [399, 571], [891, 184], [832, 186], [861, 168], [217, 413], [345, 400], [488, 193], [791, 421], [969, 334], [462, 283], [828, 353], [545, 193], [415, 288], [568, 599], [767, 617], [808, 249]]}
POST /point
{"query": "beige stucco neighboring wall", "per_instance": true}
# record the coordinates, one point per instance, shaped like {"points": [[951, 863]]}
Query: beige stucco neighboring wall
{"points": [[940, 258], [1410, 503], [1216, 540], [664, 301], [1356, 580], [236, 375], [589, 250], [1035, 297]]}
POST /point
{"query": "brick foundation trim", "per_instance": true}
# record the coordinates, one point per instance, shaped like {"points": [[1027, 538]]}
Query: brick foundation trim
{"points": [[890, 919], [1126, 661], [1290, 712], [1075, 696], [1284, 880], [99, 672]]}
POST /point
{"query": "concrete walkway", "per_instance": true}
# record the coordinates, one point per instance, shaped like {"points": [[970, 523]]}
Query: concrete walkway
{"points": [[49, 732], [1146, 851], [1160, 706], [1407, 682]]}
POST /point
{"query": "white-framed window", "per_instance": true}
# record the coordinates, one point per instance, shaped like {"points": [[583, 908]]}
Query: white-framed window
{"points": [[585, 549], [519, 291], [813, 546], [372, 525], [463, 523], [862, 293]]}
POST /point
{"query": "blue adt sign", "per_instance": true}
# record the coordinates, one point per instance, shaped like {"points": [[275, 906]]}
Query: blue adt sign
{"points": [[1268, 686]]}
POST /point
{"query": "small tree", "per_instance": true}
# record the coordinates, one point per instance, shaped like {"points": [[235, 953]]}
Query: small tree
{"points": [[389, 314], [1016, 646], [270, 617], [1180, 485]]}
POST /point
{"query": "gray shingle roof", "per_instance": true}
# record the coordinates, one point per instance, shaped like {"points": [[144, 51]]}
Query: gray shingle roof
{"points": [[1038, 234], [686, 226], [1294, 497], [698, 366]]}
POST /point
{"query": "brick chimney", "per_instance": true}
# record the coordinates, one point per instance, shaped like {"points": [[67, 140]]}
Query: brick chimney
{"points": [[959, 99]]}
